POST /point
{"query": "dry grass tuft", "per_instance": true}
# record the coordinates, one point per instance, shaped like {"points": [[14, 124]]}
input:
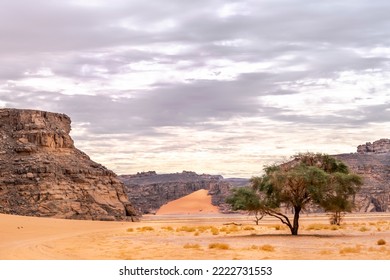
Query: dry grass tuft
{"points": [[167, 228], [334, 227], [278, 227], [317, 227], [267, 247], [146, 228], [214, 231], [219, 246], [351, 250], [203, 228], [229, 229], [186, 229], [248, 228], [130, 230], [363, 229]]}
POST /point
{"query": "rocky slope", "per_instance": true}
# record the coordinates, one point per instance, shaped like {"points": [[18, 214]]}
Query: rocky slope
{"points": [[372, 162], [148, 191], [43, 174]]}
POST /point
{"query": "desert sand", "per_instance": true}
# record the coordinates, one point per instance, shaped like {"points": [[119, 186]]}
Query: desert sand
{"points": [[198, 235], [194, 203]]}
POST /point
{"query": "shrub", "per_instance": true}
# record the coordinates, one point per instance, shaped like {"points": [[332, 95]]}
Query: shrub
{"points": [[381, 242]]}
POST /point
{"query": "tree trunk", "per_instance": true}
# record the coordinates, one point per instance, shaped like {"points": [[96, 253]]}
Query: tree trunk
{"points": [[294, 230]]}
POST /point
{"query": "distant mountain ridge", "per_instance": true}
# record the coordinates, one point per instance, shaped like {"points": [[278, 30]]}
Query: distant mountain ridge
{"points": [[148, 191]]}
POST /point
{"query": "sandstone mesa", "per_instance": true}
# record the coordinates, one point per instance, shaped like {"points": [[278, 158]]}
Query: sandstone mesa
{"points": [[43, 174]]}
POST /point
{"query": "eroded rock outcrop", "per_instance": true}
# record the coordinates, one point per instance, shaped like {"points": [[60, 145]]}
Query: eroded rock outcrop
{"points": [[43, 174], [372, 162], [381, 146], [148, 191]]}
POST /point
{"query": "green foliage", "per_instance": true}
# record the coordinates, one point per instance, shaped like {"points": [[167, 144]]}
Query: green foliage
{"points": [[308, 178], [244, 198]]}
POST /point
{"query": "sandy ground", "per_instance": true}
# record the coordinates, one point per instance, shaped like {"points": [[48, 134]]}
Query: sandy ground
{"points": [[199, 235], [197, 202]]}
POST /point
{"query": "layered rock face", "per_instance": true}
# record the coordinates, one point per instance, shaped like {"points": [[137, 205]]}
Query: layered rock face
{"points": [[43, 174], [372, 162], [381, 146], [148, 191]]}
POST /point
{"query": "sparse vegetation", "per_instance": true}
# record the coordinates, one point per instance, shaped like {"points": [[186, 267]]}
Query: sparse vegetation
{"points": [[186, 229], [267, 247], [229, 229], [219, 246], [381, 242], [335, 227], [317, 227], [351, 250], [363, 229], [248, 228], [146, 228], [308, 178], [214, 231], [278, 227], [191, 246], [167, 228]]}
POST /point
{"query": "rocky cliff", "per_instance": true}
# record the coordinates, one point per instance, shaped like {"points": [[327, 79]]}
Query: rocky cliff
{"points": [[372, 162], [148, 191], [43, 174]]}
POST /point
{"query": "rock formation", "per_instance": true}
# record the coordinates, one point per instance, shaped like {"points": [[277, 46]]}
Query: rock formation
{"points": [[148, 191], [43, 174], [381, 146], [372, 162]]}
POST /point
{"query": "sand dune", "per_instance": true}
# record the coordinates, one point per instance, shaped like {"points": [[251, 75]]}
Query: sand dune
{"points": [[194, 203]]}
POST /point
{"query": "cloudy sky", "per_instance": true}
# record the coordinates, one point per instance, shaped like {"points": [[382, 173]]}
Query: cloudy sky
{"points": [[215, 86]]}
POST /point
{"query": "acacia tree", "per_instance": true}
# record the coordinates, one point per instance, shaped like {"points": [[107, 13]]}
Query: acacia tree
{"points": [[308, 178], [339, 201], [247, 199]]}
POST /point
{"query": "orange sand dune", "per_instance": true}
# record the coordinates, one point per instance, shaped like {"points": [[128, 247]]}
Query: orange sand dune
{"points": [[194, 203]]}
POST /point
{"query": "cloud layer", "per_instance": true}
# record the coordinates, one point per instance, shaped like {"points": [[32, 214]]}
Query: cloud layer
{"points": [[210, 86]]}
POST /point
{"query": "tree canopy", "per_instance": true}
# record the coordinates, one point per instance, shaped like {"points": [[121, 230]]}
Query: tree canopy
{"points": [[307, 179]]}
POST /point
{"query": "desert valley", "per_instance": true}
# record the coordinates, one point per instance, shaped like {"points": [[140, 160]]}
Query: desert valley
{"points": [[56, 203]]}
